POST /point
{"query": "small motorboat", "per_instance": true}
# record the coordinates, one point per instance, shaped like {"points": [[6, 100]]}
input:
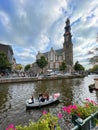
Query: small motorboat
{"points": [[52, 99]]}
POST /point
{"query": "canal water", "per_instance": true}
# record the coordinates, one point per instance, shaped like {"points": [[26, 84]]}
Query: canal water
{"points": [[13, 97]]}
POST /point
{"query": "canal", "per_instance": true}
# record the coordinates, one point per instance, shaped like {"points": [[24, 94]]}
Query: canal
{"points": [[13, 97]]}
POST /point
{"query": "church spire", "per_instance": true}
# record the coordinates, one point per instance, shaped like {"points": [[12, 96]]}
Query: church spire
{"points": [[67, 28], [67, 34], [67, 45]]}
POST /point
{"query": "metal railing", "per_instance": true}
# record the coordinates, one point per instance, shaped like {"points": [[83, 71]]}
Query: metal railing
{"points": [[87, 124]]}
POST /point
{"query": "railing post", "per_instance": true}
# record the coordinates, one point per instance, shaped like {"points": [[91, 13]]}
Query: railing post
{"points": [[76, 127], [87, 124]]}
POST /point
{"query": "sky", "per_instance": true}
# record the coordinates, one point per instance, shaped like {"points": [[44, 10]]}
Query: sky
{"points": [[30, 26]]}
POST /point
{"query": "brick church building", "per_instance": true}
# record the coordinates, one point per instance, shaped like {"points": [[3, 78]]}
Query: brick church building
{"points": [[56, 57]]}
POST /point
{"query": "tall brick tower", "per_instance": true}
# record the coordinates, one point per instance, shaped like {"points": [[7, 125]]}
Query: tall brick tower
{"points": [[67, 45]]}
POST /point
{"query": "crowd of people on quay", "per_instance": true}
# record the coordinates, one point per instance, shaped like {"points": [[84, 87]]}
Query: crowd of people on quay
{"points": [[16, 74]]}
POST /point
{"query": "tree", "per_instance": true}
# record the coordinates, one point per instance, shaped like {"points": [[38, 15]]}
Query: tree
{"points": [[19, 67], [78, 67], [42, 62], [94, 68], [63, 66], [4, 63], [27, 67]]}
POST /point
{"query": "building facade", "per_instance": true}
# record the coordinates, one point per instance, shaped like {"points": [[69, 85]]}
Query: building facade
{"points": [[7, 49], [56, 57]]}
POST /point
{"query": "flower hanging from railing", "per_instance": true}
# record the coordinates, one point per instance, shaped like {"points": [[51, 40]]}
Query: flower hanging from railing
{"points": [[84, 110]]}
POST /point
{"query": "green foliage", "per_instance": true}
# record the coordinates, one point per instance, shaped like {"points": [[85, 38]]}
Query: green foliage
{"points": [[95, 68], [27, 67], [46, 122], [42, 62], [4, 63], [85, 111], [63, 66], [78, 66], [18, 67], [96, 120]]}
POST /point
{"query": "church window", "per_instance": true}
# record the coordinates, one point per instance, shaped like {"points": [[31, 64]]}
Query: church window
{"points": [[51, 65], [57, 65], [51, 56], [56, 57], [60, 58]]}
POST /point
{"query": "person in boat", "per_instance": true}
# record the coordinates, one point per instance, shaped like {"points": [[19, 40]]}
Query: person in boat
{"points": [[46, 96], [32, 99], [41, 98]]}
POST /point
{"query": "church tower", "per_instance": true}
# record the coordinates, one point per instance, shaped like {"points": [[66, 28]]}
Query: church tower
{"points": [[67, 45]]}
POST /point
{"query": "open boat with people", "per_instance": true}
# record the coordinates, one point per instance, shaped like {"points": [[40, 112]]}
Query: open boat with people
{"points": [[52, 99]]}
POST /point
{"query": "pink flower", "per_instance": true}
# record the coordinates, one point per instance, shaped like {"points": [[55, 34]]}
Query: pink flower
{"points": [[74, 107], [44, 112], [91, 101], [60, 115], [11, 127], [68, 110], [94, 103], [64, 108], [87, 99]]}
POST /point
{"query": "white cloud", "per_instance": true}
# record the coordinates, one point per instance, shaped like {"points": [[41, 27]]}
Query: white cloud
{"points": [[5, 21], [84, 28], [25, 55], [33, 25]]}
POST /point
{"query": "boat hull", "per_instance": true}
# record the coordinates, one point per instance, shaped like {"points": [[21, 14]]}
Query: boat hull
{"points": [[41, 104]]}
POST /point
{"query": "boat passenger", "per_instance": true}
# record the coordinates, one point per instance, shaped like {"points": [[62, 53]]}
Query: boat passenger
{"points": [[41, 98], [46, 96], [32, 99]]}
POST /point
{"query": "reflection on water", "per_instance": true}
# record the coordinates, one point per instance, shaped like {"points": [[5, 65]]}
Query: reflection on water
{"points": [[14, 96], [81, 91]]}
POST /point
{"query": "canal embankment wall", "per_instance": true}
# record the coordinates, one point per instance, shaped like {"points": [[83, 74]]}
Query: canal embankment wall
{"points": [[34, 79]]}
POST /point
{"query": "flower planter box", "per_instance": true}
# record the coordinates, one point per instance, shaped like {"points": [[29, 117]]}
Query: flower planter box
{"points": [[86, 124], [84, 114], [74, 118]]}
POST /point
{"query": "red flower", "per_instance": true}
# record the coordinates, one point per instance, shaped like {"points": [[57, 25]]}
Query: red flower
{"points": [[79, 114], [87, 105]]}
